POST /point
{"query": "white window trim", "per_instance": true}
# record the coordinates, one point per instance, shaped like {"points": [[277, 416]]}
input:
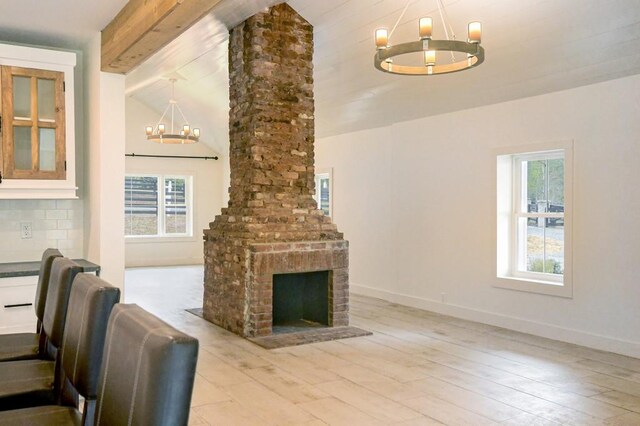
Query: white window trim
{"points": [[328, 172], [506, 227], [162, 236]]}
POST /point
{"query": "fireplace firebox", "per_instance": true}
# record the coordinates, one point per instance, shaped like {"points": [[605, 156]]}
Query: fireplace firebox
{"points": [[300, 301]]}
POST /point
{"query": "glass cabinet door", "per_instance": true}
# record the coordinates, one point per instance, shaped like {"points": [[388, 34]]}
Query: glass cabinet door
{"points": [[33, 124]]}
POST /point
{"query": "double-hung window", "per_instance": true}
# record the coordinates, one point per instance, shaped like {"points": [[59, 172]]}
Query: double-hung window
{"points": [[534, 220], [323, 194], [158, 206]]}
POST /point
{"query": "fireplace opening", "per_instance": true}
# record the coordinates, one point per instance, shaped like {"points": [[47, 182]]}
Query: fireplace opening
{"points": [[300, 301]]}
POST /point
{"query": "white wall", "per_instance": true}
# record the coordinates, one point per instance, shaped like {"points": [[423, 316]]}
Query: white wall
{"points": [[207, 186], [416, 201], [104, 161]]}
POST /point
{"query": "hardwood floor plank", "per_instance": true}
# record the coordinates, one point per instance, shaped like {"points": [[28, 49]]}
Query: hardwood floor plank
{"points": [[300, 368], [465, 399], [234, 355], [529, 420], [335, 412], [620, 399], [631, 419], [586, 405], [218, 372], [610, 370], [446, 412], [607, 357], [267, 405], [286, 385], [614, 383], [420, 421], [195, 419], [228, 413], [204, 392], [528, 403], [382, 385], [374, 404]]}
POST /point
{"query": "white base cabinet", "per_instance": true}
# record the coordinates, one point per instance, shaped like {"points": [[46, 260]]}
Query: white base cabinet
{"points": [[17, 313]]}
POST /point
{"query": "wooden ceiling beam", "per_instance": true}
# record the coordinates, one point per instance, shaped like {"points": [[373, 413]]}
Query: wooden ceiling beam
{"points": [[143, 27]]}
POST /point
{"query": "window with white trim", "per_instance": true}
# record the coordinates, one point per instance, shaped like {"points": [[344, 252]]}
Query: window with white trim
{"points": [[534, 226], [158, 206], [323, 192]]}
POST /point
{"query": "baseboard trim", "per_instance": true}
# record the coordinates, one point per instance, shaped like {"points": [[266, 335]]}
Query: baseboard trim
{"points": [[549, 331]]}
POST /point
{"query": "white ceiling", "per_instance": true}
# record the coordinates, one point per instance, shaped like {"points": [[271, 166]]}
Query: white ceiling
{"points": [[61, 23], [532, 47]]}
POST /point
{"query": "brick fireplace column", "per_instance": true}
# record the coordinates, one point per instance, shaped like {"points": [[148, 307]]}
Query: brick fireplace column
{"points": [[272, 224]]}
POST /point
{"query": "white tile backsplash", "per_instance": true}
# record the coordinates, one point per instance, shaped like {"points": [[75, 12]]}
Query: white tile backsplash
{"points": [[54, 223], [57, 214]]}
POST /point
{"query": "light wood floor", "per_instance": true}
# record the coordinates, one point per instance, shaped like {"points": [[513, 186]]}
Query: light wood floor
{"points": [[418, 368]]}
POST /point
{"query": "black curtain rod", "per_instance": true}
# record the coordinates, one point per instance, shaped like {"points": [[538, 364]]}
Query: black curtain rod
{"points": [[171, 156]]}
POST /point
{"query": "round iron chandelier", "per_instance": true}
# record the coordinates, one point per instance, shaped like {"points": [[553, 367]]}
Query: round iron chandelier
{"points": [[159, 134], [463, 54]]}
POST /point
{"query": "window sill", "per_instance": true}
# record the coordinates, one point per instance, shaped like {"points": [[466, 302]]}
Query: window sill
{"points": [[158, 239], [549, 288]]}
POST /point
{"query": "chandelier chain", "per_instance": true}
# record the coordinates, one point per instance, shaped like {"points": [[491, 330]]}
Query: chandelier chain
{"points": [[400, 18], [163, 115], [182, 114], [445, 22]]}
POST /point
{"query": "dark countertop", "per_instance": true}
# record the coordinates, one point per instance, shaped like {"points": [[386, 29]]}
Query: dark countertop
{"points": [[28, 269]]}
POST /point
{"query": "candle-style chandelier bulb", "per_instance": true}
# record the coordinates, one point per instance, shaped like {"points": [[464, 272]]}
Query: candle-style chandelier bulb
{"points": [[425, 26], [475, 32], [382, 38]]}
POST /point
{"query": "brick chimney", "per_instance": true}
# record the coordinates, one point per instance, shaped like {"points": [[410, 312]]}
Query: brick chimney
{"points": [[272, 224]]}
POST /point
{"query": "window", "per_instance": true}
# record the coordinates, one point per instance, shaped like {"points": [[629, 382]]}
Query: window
{"points": [[158, 206], [534, 194], [323, 192]]}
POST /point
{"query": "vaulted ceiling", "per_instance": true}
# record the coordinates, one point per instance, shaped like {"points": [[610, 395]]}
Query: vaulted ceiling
{"points": [[532, 48]]}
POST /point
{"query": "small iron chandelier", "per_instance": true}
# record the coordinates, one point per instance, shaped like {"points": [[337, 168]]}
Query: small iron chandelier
{"points": [[473, 52], [160, 135]]}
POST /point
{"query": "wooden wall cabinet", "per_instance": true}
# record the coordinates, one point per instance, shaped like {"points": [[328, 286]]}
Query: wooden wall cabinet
{"points": [[37, 152]]}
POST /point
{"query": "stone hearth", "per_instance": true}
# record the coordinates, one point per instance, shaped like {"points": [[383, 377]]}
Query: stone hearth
{"points": [[272, 224]]}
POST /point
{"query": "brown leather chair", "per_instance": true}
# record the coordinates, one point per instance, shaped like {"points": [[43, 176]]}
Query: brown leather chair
{"points": [[29, 382], [20, 346], [146, 377]]}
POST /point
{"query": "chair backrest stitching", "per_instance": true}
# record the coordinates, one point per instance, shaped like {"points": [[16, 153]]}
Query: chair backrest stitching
{"points": [[63, 352], [106, 367], [75, 363], [135, 381]]}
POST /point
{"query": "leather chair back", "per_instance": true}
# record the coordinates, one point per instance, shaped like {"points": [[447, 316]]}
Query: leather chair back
{"points": [[63, 272], [43, 281], [147, 373], [90, 305]]}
